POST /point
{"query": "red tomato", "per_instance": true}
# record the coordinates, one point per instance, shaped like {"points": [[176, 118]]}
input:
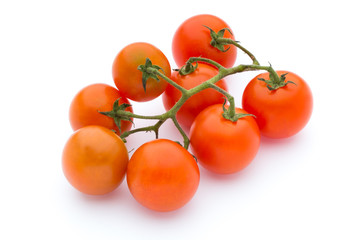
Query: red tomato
{"points": [[222, 146], [85, 107], [94, 160], [198, 102], [162, 175], [127, 77], [192, 39], [282, 112]]}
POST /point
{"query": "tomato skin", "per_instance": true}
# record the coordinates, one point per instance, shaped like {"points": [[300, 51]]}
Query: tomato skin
{"points": [[198, 102], [127, 77], [280, 113], [192, 39], [162, 175], [222, 146], [94, 160], [85, 107]]}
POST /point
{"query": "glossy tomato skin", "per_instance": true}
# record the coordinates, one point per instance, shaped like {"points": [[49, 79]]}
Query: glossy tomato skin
{"points": [[192, 39], [94, 160], [280, 113], [85, 107], [222, 146], [127, 77], [162, 175], [198, 102]]}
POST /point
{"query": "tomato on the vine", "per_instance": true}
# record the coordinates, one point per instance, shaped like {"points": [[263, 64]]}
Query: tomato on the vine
{"points": [[162, 175], [282, 112], [94, 160], [198, 102], [223, 146], [127, 77], [87, 104], [192, 39]]}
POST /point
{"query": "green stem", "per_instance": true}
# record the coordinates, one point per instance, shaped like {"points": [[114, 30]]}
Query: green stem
{"points": [[133, 115], [253, 67], [155, 128], [177, 86], [182, 132], [236, 44], [229, 97], [187, 93], [206, 60]]}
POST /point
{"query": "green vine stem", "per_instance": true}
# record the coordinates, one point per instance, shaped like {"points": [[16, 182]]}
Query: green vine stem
{"points": [[152, 70], [235, 43], [186, 94]]}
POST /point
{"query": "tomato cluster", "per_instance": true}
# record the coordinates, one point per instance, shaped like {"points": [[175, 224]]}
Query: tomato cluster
{"points": [[163, 175]]}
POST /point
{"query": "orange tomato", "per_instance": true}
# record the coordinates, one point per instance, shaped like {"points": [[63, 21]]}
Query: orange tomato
{"points": [[222, 146], [127, 77], [192, 39], [162, 175], [94, 160], [282, 112], [95, 98]]}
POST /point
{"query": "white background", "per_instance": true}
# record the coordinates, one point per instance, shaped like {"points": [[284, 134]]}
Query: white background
{"points": [[304, 187]]}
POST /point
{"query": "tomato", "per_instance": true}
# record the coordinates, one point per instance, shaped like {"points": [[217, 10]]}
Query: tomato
{"points": [[198, 102], [162, 175], [85, 107], [192, 39], [94, 160], [222, 146], [282, 112], [127, 77]]}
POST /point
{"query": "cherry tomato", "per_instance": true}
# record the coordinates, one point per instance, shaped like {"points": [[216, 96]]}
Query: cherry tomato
{"points": [[95, 98], [162, 175], [192, 39], [127, 77], [198, 102], [282, 112], [94, 160], [222, 146]]}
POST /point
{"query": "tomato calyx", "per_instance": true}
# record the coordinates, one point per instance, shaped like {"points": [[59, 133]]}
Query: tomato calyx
{"points": [[149, 71], [231, 115], [216, 38], [119, 113], [188, 68], [276, 82]]}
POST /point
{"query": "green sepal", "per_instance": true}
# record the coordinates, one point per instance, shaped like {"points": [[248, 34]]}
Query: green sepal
{"points": [[188, 68], [115, 113], [233, 117], [276, 82], [149, 71], [215, 36]]}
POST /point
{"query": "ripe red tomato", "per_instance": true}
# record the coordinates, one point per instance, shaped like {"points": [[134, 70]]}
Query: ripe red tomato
{"points": [[94, 160], [85, 107], [127, 77], [282, 112], [198, 102], [162, 175], [192, 39], [222, 146]]}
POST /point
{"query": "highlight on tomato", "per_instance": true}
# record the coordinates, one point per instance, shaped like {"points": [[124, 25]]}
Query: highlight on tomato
{"points": [[193, 39], [94, 160], [87, 104], [129, 80], [198, 102], [221, 145], [282, 107], [162, 175]]}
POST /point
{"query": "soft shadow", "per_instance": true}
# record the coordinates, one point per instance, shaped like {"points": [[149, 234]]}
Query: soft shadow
{"points": [[109, 197], [238, 176]]}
